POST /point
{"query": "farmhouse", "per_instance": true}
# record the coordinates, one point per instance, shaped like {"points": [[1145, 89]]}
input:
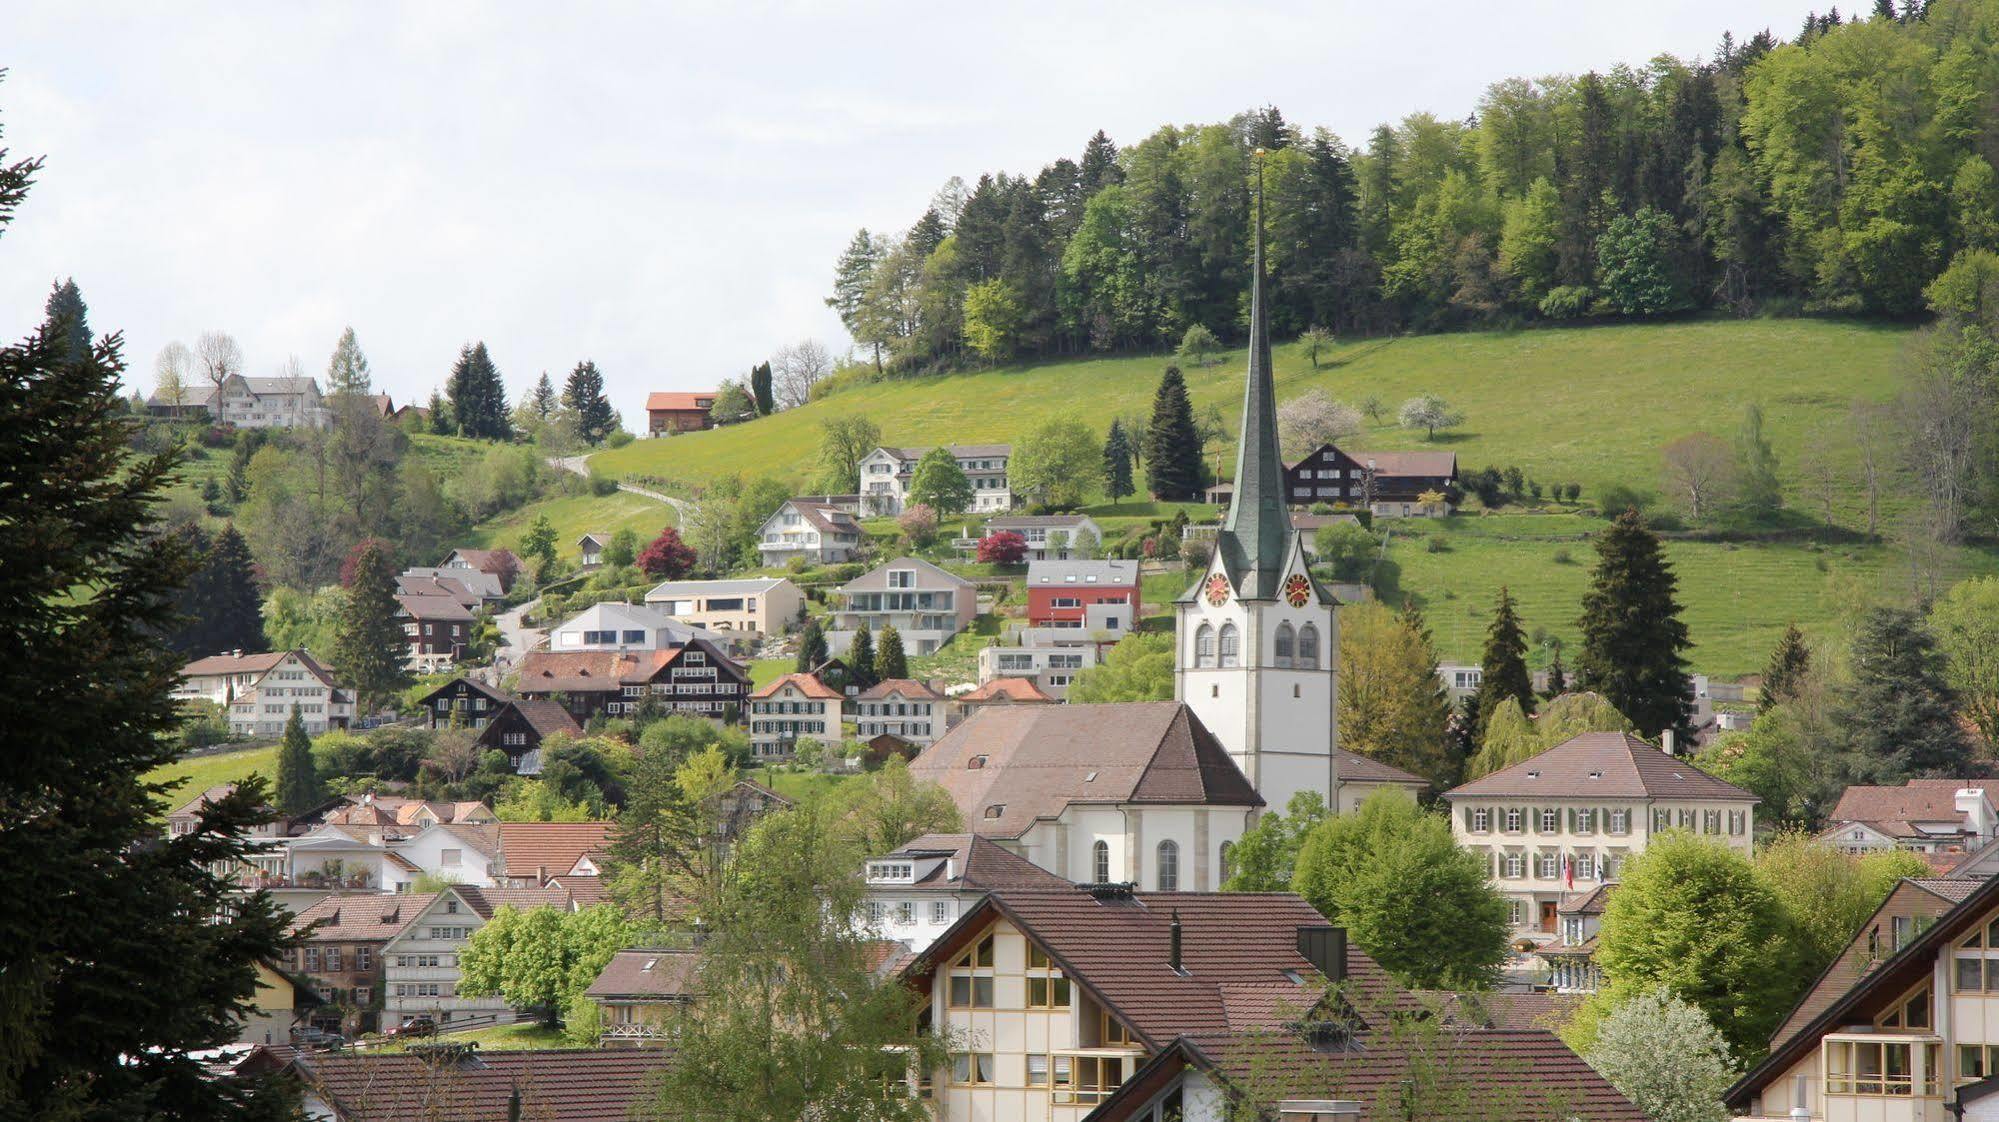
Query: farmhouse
{"points": [[669, 412]]}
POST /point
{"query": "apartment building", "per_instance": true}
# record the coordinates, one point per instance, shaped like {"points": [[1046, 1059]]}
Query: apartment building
{"points": [[1569, 818], [925, 605], [1098, 598], [1052, 537], [794, 707], [917, 892], [886, 474], [752, 608], [294, 679], [420, 959], [1051, 666]]}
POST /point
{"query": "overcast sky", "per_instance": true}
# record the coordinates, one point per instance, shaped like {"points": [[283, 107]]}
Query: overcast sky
{"points": [[662, 191]]}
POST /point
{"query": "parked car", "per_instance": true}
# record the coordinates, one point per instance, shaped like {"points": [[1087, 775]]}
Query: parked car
{"points": [[415, 1026], [317, 1039]]}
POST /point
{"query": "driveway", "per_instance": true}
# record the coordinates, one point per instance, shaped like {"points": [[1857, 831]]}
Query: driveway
{"points": [[516, 637], [580, 465]]}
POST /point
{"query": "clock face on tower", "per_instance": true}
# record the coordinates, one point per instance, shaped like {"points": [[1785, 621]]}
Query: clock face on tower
{"points": [[1218, 590], [1297, 590]]}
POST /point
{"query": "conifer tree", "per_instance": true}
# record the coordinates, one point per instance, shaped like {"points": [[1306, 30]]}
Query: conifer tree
{"points": [[1759, 495], [1117, 462], [760, 389], [584, 397], [1900, 711], [542, 402], [221, 609], [811, 647], [133, 955], [65, 306], [889, 660], [478, 397], [347, 371], [299, 785], [1558, 677], [1790, 664], [440, 416], [1504, 664], [370, 649], [1634, 641], [861, 657], [1173, 468]]}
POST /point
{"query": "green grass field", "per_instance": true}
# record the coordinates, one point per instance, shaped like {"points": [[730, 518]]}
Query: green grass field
{"points": [[203, 772], [573, 516], [1592, 405]]}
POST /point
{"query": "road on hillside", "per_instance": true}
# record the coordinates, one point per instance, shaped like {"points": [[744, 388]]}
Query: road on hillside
{"points": [[580, 465], [516, 637]]}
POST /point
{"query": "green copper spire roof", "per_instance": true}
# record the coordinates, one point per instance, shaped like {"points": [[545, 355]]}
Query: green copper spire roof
{"points": [[1255, 537]]}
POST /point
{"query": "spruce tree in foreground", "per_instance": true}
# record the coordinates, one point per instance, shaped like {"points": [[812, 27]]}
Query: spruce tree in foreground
{"points": [[1117, 463], [1790, 665], [121, 953], [234, 609], [1634, 641], [478, 397], [369, 651], [1504, 664], [299, 786], [861, 657], [1173, 469], [889, 660]]}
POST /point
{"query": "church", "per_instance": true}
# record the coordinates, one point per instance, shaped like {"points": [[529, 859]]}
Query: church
{"points": [[1156, 793]]}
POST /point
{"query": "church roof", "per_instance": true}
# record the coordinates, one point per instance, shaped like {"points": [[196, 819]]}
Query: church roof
{"points": [[1254, 542]]}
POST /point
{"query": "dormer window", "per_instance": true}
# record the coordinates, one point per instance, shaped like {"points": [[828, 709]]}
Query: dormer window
{"points": [[902, 872], [976, 763], [995, 810]]}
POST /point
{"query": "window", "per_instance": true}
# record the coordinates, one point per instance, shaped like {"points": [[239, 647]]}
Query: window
{"points": [[1169, 866], [1738, 822], [1515, 820], [1551, 821], [1111, 1031], [1047, 987], [1287, 641], [1547, 866], [312, 958], [1686, 819], [940, 911], [1586, 821], [905, 912], [333, 960], [1037, 1070], [1516, 864], [972, 1069], [451, 904], [1516, 912], [364, 958], [1710, 822], [1620, 821], [1231, 646], [1087, 1079], [1481, 820], [1204, 646], [1228, 860], [1866, 1067], [1308, 648], [1100, 862]]}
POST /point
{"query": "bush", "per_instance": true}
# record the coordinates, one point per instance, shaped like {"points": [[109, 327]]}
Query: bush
{"points": [[1434, 544], [1346, 549], [618, 439], [1664, 520], [602, 486], [1002, 548], [919, 524], [1617, 498], [1562, 557], [1569, 301]]}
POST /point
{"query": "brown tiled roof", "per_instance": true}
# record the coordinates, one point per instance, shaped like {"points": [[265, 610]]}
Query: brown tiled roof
{"points": [[484, 837], [671, 399], [562, 1085], [1602, 764], [968, 451], [1589, 903], [1546, 1012], [1391, 464], [1892, 809], [493, 693], [807, 684], [825, 517], [1239, 955], [1503, 1075], [433, 607], [584, 892], [1007, 689], [495, 561], [1356, 768], [233, 664], [976, 862], [907, 687], [195, 805], [575, 671], [546, 717], [428, 587], [361, 916], [486, 901], [1910, 900], [646, 973], [1009, 767], [555, 846]]}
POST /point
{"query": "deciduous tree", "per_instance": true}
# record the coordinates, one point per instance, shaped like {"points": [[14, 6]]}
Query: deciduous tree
{"points": [[666, 557], [843, 443], [1429, 413], [1138, 668], [939, 483], [1966, 624], [1314, 418], [1056, 464], [1266, 856], [1704, 471], [1666, 1057], [1391, 705]]}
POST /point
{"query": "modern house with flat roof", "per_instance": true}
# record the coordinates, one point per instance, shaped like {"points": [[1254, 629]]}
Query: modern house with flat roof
{"points": [[754, 607], [925, 605]]}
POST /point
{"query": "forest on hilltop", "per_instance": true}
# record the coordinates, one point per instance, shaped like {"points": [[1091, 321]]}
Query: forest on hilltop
{"points": [[1838, 172]]}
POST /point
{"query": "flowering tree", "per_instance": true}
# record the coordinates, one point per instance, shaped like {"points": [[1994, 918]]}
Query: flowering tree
{"points": [[919, 523], [1314, 418], [667, 557], [1666, 1057], [1002, 548]]}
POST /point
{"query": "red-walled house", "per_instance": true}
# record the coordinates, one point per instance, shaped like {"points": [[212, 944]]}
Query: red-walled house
{"points": [[1091, 596], [668, 412]]}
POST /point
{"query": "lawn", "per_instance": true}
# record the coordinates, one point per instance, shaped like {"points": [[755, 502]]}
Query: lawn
{"points": [[1737, 598], [576, 515], [798, 785], [497, 1038], [1591, 405], [203, 772]]}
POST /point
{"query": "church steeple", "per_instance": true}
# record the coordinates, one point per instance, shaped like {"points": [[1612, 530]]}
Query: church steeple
{"points": [[1254, 538]]}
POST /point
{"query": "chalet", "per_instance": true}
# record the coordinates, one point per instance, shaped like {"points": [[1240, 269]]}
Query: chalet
{"points": [[295, 679], [463, 702], [696, 679], [794, 707], [219, 678], [1387, 484], [411, 414], [1098, 597], [591, 547], [669, 412], [886, 474], [418, 583], [902, 708], [637, 992], [439, 629], [519, 728], [819, 533]]}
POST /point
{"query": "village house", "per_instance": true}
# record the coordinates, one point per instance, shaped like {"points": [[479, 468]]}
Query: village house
{"points": [[591, 546], [1139, 793], [500, 564], [1388, 484], [1052, 537], [1000, 692], [519, 728], [1568, 819], [274, 1006], [430, 582], [420, 957], [340, 956], [1098, 598], [295, 679], [252, 403], [1053, 998], [670, 412], [695, 679], [1928, 816], [925, 605], [565, 1084], [908, 710], [818, 533], [794, 707], [1571, 958], [886, 474], [1358, 777], [1051, 667], [1903, 1027], [752, 608], [534, 853], [219, 678], [463, 703], [637, 993], [439, 629], [917, 892], [612, 626]]}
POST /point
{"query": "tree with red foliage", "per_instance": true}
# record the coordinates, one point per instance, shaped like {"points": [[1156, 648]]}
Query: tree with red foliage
{"points": [[667, 558], [348, 566], [1002, 548]]}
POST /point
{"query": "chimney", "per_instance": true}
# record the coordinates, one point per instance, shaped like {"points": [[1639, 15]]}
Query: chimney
{"points": [[1173, 946], [541, 875], [1325, 948], [1666, 742]]}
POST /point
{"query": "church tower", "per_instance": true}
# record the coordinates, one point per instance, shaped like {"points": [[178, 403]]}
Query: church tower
{"points": [[1256, 640]]}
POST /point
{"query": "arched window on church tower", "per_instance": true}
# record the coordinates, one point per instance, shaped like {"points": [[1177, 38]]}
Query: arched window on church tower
{"points": [[1231, 646], [1169, 866], [1204, 646], [1228, 860], [1100, 862], [1308, 648], [1286, 640]]}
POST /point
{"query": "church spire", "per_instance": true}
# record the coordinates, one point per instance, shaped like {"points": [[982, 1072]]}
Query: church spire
{"points": [[1258, 527]]}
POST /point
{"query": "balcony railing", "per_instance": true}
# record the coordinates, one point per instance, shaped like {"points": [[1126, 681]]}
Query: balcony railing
{"points": [[637, 1030]]}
